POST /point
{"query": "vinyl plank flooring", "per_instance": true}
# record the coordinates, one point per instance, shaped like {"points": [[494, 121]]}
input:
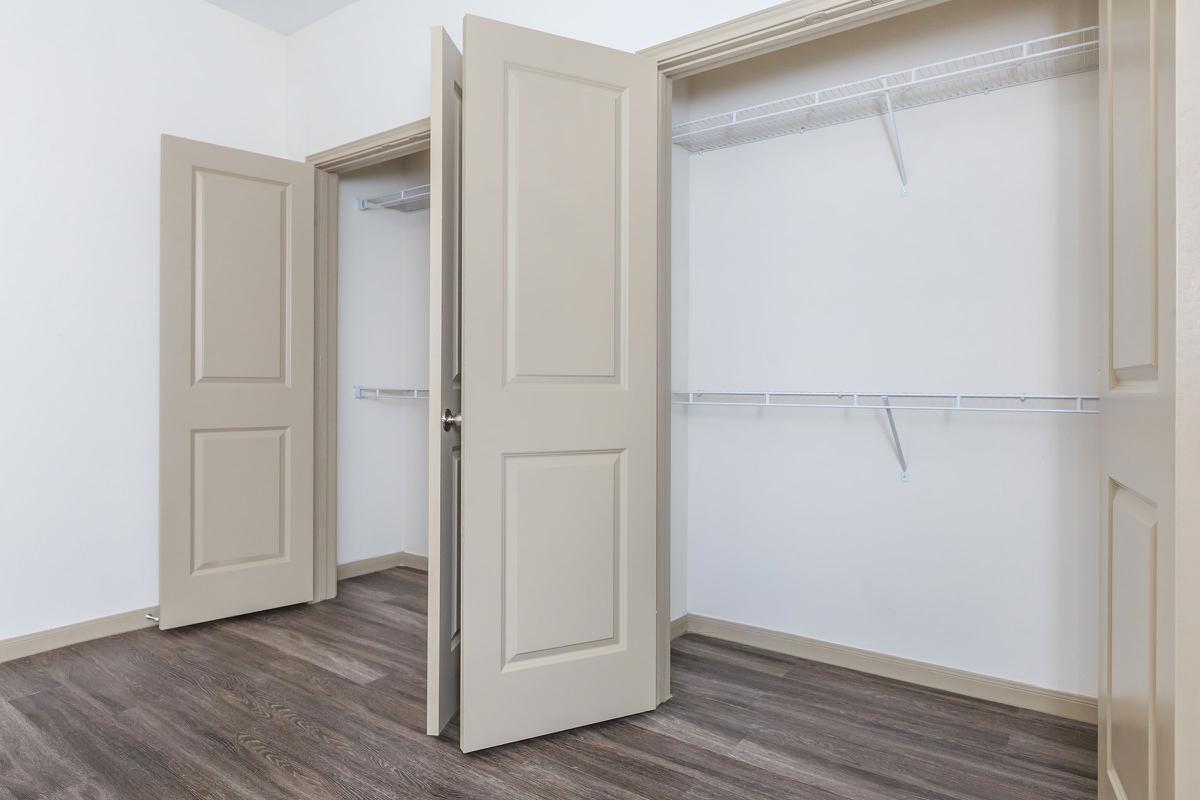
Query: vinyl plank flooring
{"points": [[133, 766], [327, 701], [26, 676], [28, 758]]}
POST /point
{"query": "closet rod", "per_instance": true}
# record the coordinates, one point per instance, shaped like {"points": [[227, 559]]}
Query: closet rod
{"points": [[414, 198], [896, 401], [1024, 62], [373, 393]]}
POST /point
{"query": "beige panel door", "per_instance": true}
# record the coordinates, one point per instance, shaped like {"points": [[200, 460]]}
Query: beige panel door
{"points": [[1137, 407], [236, 383], [445, 381], [559, 353]]}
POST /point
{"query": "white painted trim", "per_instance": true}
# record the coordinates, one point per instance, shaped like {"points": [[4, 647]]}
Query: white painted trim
{"points": [[375, 149], [771, 29], [33, 643], [969, 684], [380, 563]]}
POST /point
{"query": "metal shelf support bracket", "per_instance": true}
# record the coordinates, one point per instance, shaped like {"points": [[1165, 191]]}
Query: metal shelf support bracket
{"points": [[887, 405], [887, 96]]}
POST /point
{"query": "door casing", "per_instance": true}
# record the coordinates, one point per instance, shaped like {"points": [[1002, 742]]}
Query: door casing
{"points": [[330, 164]]}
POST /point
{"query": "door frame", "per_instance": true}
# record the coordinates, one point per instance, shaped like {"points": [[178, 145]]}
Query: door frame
{"points": [[330, 164], [756, 34]]}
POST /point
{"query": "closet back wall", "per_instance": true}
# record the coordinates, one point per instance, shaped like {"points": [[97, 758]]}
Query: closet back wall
{"points": [[809, 270], [383, 341]]}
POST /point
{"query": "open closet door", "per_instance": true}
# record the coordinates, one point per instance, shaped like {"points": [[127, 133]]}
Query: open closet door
{"points": [[236, 383], [559, 398], [445, 381], [1139, 754]]}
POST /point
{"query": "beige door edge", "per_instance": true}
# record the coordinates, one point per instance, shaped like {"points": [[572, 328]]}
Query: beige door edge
{"points": [[443, 650]]}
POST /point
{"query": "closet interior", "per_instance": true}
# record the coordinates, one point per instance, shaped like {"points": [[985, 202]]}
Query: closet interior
{"points": [[885, 309], [383, 359]]}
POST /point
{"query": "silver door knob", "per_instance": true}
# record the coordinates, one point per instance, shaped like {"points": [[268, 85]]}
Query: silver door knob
{"points": [[450, 420]]}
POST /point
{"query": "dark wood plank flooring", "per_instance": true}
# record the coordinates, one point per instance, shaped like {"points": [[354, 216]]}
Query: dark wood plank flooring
{"points": [[328, 701]]}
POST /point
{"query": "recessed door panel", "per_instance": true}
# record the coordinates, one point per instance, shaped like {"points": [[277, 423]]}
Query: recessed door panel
{"points": [[242, 264], [1132, 631], [563, 527], [455, 549], [239, 498], [1134, 269], [567, 253]]}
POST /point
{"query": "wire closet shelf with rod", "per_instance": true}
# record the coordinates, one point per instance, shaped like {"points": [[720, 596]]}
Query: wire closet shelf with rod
{"points": [[1024, 62], [890, 402]]}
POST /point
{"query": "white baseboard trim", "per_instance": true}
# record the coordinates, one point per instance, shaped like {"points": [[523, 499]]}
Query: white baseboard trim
{"points": [[34, 643], [380, 563], [969, 684]]}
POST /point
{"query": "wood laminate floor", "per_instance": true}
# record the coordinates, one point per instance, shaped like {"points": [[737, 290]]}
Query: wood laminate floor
{"points": [[327, 701]]}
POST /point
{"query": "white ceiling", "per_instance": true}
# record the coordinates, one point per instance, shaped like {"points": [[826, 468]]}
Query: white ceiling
{"points": [[282, 16]]}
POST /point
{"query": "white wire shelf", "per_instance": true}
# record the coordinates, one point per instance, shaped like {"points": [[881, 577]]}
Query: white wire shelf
{"points": [[373, 393], [1025, 62], [412, 199], [898, 401]]}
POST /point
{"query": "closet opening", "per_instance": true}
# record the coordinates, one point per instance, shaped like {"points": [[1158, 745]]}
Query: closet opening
{"points": [[886, 264], [382, 365]]}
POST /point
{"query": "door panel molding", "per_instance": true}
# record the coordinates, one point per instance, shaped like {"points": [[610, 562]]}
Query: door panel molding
{"points": [[1129, 721], [562, 568]]}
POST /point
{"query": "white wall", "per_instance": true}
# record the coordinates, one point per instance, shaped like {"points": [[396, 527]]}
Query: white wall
{"points": [[87, 90], [383, 340], [809, 270], [366, 68]]}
